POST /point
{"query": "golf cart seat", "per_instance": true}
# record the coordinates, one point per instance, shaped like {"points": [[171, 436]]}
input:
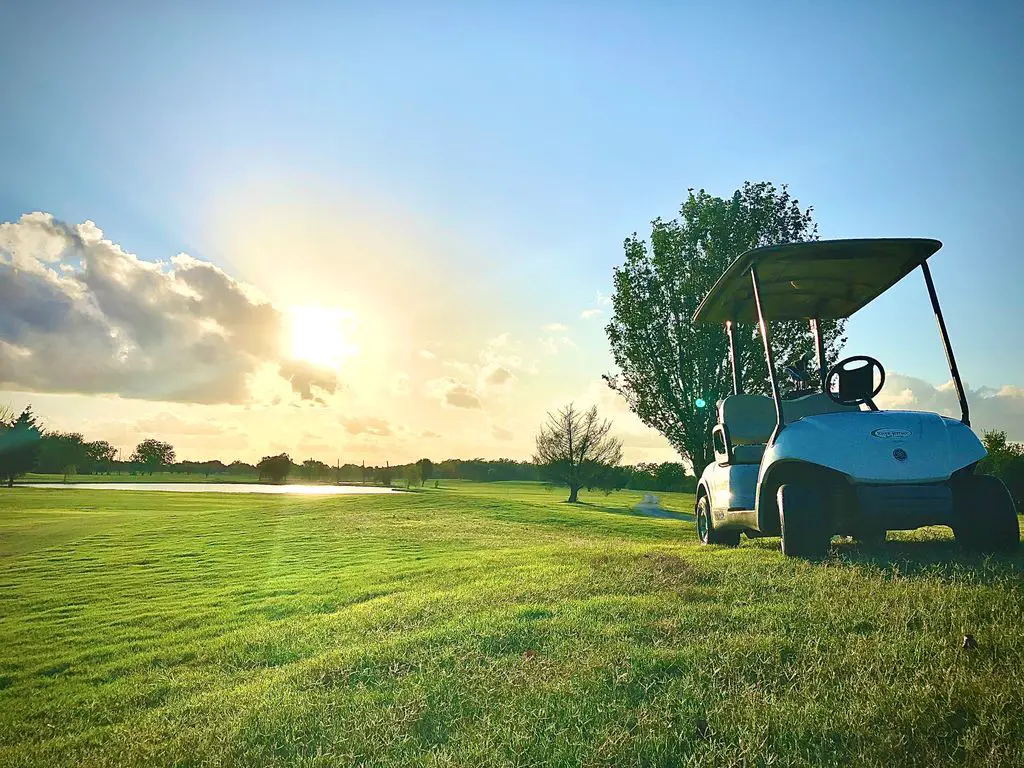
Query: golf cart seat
{"points": [[748, 421]]}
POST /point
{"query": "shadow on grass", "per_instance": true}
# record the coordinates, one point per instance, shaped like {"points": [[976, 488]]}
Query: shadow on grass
{"points": [[942, 558], [936, 558], [666, 514]]}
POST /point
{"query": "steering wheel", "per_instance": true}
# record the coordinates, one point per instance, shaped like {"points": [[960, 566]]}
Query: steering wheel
{"points": [[856, 385]]}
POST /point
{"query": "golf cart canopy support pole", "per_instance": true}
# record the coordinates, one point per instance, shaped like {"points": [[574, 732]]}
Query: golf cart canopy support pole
{"points": [[819, 350], [734, 358], [965, 415], [766, 337]]}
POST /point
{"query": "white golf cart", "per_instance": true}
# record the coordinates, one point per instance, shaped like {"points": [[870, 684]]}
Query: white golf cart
{"points": [[825, 460]]}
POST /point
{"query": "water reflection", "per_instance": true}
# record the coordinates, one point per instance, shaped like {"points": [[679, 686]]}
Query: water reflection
{"points": [[304, 490]]}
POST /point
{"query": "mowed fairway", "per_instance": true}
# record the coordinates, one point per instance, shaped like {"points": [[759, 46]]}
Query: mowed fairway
{"points": [[486, 625]]}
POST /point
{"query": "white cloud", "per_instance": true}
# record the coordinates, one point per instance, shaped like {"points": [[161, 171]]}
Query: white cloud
{"points": [[602, 300], [373, 426], [461, 367], [426, 354], [104, 321], [495, 365], [500, 433], [551, 345], [497, 376], [453, 393], [589, 314], [555, 327], [990, 408]]}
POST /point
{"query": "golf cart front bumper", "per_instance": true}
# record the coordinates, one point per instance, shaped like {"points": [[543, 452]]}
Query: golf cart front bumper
{"points": [[904, 507]]}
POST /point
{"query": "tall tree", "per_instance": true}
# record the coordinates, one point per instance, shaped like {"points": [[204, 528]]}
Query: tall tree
{"points": [[101, 454], [574, 448], [413, 475], [19, 445], [426, 470], [672, 372], [63, 453], [153, 454], [275, 468]]}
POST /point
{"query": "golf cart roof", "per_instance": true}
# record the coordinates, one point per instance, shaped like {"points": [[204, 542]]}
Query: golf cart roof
{"points": [[824, 279]]}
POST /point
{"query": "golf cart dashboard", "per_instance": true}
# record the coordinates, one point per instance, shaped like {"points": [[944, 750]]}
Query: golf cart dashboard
{"points": [[813, 404], [845, 383]]}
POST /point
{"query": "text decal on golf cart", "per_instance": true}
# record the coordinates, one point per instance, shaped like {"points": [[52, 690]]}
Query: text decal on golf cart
{"points": [[887, 433]]}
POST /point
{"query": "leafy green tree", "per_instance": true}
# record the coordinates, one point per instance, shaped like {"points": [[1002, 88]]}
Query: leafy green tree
{"points": [[672, 372], [153, 454], [63, 453], [413, 475], [574, 448], [239, 467], [1005, 460], [313, 469], [671, 476], [101, 455], [275, 468], [426, 469], [384, 474], [19, 444]]}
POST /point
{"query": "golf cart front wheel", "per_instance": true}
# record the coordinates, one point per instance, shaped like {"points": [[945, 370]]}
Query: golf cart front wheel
{"points": [[805, 532], [984, 515], [706, 531]]}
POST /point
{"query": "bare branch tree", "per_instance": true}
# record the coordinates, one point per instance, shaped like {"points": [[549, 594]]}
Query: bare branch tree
{"points": [[574, 448]]}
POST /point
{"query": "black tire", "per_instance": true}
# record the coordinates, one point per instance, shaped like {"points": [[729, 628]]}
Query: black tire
{"points": [[984, 515], [706, 531], [805, 532]]}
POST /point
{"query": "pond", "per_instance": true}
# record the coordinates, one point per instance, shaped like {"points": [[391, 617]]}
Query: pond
{"points": [[304, 490]]}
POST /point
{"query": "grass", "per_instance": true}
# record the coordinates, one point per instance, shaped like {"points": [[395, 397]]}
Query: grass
{"points": [[485, 625]]}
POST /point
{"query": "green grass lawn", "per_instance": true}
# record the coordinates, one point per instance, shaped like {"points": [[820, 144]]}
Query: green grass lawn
{"points": [[481, 625]]}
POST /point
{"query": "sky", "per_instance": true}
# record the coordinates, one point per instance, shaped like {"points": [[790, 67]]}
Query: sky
{"points": [[194, 192]]}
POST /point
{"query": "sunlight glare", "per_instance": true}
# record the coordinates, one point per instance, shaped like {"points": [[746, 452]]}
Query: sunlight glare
{"points": [[322, 335]]}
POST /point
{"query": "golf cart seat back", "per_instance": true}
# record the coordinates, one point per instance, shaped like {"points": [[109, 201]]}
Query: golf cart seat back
{"points": [[749, 421]]}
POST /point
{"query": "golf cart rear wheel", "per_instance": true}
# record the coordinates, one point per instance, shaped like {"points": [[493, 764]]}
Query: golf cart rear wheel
{"points": [[984, 515], [706, 531], [802, 518]]}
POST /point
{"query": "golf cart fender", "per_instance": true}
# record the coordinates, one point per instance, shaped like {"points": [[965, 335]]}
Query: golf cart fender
{"points": [[865, 447], [702, 490], [728, 488]]}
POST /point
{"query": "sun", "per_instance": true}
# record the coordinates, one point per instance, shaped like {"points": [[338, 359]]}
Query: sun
{"points": [[322, 335]]}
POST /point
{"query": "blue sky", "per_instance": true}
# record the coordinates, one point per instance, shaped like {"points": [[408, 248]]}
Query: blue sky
{"points": [[536, 137]]}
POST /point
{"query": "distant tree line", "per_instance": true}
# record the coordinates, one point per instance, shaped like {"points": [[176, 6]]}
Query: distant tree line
{"points": [[27, 446]]}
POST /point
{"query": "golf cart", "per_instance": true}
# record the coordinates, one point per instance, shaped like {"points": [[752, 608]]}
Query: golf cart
{"points": [[825, 460]]}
